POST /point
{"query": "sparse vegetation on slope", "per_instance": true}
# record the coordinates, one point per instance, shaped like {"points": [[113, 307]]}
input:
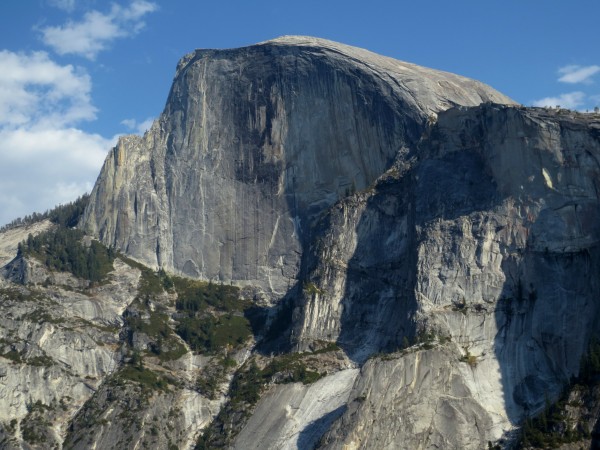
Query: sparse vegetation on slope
{"points": [[154, 324], [66, 215], [197, 296], [149, 316], [62, 249], [213, 316], [247, 386]]}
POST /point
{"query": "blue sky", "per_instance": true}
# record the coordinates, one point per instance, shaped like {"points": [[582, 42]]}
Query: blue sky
{"points": [[75, 74]]}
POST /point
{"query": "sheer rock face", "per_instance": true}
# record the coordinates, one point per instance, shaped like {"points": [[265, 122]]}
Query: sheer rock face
{"points": [[488, 237], [253, 145]]}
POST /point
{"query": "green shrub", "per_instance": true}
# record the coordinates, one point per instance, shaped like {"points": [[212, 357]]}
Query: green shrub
{"points": [[212, 375], [165, 344], [311, 289], [289, 368], [13, 356], [196, 296], [151, 284], [210, 334], [205, 331], [41, 361], [144, 377], [470, 359]]}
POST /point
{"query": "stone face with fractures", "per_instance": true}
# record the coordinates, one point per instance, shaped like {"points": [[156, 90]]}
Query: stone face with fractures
{"points": [[57, 346], [496, 248], [253, 144]]}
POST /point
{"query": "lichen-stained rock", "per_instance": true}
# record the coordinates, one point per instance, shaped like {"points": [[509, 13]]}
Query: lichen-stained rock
{"points": [[253, 144]]}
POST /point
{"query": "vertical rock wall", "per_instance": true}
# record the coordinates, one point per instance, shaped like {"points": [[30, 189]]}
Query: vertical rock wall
{"points": [[501, 263], [253, 144]]}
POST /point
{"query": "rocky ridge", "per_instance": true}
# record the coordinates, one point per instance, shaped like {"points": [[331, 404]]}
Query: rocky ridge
{"points": [[68, 378]]}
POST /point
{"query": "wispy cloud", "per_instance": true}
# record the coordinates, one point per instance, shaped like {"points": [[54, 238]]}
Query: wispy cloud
{"points": [[577, 74], [44, 158], [66, 5], [96, 31], [138, 127], [571, 100]]}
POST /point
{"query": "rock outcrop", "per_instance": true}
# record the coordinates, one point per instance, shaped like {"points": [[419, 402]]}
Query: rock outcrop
{"points": [[296, 416], [485, 245], [11, 238], [254, 143], [56, 348], [66, 376]]}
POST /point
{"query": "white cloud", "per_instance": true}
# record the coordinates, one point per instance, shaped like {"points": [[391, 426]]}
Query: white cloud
{"points": [[97, 30], [44, 159], [577, 74], [66, 5], [138, 128], [129, 123], [40, 169], [145, 125], [22, 147], [571, 100], [36, 90]]}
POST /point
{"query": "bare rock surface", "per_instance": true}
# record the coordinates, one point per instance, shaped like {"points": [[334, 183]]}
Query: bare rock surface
{"points": [[9, 239], [484, 245], [66, 376], [56, 348], [254, 143], [422, 399], [296, 415]]}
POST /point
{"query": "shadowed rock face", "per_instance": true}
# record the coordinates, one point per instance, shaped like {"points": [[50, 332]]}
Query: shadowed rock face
{"points": [[253, 145], [491, 239]]}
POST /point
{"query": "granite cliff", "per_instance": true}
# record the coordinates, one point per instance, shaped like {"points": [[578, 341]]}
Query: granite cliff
{"points": [[483, 250], [253, 145], [318, 247]]}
